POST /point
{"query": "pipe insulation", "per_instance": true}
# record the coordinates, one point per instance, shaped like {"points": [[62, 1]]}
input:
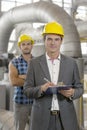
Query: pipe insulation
{"points": [[42, 12], [77, 3], [82, 28]]}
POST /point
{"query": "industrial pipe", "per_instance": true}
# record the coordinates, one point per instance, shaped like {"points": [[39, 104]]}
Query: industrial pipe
{"points": [[42, 12]]}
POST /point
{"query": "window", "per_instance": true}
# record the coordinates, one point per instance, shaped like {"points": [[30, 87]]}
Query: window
{"points": [[6, 5]]}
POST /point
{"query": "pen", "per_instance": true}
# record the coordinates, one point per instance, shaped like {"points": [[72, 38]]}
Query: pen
{"points": [[46, 80]]}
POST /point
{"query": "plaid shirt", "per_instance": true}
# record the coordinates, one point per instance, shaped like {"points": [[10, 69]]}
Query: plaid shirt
{"points": [[21, 66]]}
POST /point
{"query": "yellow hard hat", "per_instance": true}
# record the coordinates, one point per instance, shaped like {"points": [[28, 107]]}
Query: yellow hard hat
{"points": [[54, 28], [25, 37]]}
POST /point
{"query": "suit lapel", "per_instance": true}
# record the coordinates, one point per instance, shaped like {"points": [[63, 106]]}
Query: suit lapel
{"points": [[44, 66]]}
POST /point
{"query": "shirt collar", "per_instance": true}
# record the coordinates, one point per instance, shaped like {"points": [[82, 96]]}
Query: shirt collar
{"points": [[48, 58]]}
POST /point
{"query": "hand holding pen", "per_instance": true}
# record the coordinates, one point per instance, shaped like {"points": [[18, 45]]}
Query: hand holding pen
{"points": [[46, 85]]}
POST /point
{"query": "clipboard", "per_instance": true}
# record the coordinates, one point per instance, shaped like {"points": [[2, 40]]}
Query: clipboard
{"points": [[55, 89]]}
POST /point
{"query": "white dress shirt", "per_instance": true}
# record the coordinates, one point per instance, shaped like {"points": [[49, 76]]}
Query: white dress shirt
{"points": [[54, 66]]}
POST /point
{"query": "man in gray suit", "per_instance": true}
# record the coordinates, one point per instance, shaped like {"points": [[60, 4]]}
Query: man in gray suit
{"points": [[53, 81]]}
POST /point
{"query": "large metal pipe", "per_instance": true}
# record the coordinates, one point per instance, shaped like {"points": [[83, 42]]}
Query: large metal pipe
{"points": [[41, 12], [82, 28], [81, 25], [77, 3]]}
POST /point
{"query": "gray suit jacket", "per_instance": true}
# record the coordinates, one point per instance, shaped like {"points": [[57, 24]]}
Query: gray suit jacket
{"points": [[40, 115]]}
